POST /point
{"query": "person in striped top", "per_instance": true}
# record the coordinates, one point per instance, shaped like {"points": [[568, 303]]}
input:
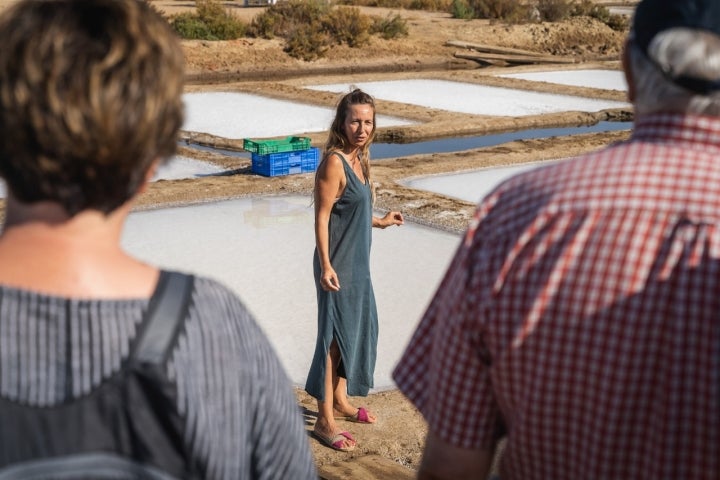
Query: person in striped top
{"points": [[580, 317], [90, 103]]}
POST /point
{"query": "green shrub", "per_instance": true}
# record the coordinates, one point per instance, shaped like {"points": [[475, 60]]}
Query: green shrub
{"points": [[189, 26], [429, 5], [582, 8], [511, 11], [462, 9], [281, 18], [210, 21], [374, 3], [587, 8], [263, 26], [385, 3], [392, 26], [306, 42], [310, 27], [617, 22], [554, 10], [347, 25], [600, 12]]}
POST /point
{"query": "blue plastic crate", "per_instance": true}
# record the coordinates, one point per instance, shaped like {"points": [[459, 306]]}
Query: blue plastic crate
{"points": [[286, 163]]}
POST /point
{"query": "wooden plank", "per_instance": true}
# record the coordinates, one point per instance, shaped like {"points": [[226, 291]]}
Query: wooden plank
{"points": [[478, 58], [511, 59], [491, 48]]}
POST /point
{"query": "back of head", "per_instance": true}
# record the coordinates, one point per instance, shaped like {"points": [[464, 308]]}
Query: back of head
{"points": [[90, 96], [674, 51]]}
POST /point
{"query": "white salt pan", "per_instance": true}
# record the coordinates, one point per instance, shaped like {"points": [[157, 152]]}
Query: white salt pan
{"points": [[472, 98], [240, 115], [605, 79], [469, 186]]}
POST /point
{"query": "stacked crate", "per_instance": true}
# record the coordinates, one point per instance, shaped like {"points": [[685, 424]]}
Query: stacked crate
{"points": [[286, 156]]}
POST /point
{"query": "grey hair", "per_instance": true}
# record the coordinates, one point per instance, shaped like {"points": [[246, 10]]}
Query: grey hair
{"points": [[673, 53]]}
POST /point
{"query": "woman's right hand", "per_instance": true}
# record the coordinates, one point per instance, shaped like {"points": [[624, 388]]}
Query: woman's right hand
{"points": [[329, 280]]}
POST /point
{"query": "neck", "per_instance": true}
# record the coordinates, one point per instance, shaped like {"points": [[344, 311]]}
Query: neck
{"points": [[43, 249], [44, 229], [352, 153]]}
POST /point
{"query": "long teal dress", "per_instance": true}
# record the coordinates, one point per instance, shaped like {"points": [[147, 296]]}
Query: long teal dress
{"points": [[350, 314]]}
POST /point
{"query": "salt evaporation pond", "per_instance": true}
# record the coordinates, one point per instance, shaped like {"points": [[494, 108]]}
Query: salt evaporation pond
{"points": [[241, 115], [598, 78], [180, 167], [473, 98], [470, 186], [262, 248]]}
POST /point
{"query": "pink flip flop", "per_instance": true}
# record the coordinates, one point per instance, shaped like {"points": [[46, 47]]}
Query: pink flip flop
{"points": [[336, 442], [360, 417]]}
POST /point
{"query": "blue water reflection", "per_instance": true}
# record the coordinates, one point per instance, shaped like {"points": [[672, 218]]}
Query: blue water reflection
{"points": [[379, 151], [392, 150]]}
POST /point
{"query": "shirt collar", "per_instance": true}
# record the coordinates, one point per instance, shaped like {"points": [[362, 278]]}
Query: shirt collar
{"points": [[702, 130]]}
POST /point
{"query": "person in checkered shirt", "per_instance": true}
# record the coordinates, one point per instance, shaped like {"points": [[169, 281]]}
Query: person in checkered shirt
{"points": [[579, 322]]}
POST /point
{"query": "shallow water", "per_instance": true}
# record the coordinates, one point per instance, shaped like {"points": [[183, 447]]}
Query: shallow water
{"points": [[379, 151], [391, 150], [262, 249]]}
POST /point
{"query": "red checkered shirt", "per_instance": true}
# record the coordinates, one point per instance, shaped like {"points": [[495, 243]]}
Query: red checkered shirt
{"points": [[580, 317]]}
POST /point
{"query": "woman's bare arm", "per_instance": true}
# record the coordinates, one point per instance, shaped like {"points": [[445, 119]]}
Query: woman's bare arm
{"points": [[329, 185]]}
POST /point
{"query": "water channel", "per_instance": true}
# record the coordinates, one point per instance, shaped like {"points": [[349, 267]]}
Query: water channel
{"points": [[379, 151]]}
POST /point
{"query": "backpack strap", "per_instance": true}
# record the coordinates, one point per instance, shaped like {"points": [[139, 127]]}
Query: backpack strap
{"points": [[101, 465], [166, 313]]}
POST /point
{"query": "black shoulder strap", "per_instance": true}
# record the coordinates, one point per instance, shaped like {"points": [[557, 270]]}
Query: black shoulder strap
{"points": [[167, 311]]}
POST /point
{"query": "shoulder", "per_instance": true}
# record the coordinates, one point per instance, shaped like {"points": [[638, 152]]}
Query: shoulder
{"points": [[334, 155], [333, 160], [220, 334], [216, 312], [229, 380], [212, 295], [331, 166]]}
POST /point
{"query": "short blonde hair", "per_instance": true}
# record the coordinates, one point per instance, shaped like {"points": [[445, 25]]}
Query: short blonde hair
{"points": [[90, 96]]}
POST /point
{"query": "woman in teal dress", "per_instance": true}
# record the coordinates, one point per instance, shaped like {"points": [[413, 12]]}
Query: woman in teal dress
{"points": [[346, 348]]}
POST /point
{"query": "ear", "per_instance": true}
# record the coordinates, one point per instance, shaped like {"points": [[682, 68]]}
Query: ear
{"points": [[149, 176], [628, 71]]}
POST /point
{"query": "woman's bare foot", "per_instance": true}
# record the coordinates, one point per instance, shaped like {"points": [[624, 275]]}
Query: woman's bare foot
{"points": [[348, 412], [332, 436]]}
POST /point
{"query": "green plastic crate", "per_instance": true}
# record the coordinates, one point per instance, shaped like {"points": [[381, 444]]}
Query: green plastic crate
{"points": [[264, 147]]}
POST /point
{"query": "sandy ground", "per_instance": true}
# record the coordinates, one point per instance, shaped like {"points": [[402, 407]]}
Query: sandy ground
{"points": [[260, 66]]}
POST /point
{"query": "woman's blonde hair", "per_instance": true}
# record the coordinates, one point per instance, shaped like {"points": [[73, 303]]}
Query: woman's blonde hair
{"points": [[336, 137]]}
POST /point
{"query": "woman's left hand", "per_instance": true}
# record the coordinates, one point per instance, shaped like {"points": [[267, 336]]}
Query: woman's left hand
{"points": [[390, 218]]}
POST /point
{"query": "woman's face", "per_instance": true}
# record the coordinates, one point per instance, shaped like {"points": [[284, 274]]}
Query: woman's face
{"points": [[358, 124]]}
